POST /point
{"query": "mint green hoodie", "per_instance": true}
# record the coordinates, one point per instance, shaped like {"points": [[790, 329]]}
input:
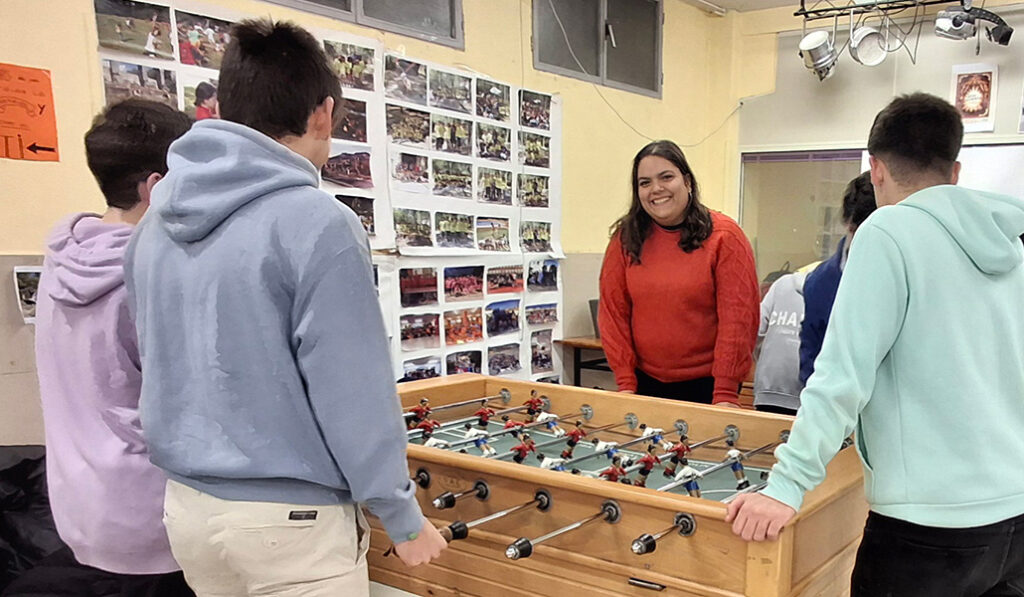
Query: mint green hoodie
{"points": [[924, 358]]}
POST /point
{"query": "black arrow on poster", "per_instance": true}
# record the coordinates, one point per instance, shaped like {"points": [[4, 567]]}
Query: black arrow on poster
{"points": [[35, 148]]}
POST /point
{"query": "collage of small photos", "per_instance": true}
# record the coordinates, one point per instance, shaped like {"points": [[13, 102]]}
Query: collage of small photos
{"points": [[454, 176]]}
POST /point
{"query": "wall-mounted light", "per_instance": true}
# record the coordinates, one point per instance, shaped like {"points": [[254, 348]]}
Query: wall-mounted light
{"points": [[819, 53], [867, 46]]}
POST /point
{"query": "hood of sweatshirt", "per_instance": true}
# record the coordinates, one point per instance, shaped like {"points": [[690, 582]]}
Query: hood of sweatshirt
{"points": [[215, 169], [86, 258], [986, 226]]}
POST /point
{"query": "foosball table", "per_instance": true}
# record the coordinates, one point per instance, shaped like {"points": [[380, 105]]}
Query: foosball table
{"points": [[544, 489]]}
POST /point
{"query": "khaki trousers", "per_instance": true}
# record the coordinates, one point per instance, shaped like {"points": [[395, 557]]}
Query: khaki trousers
{"points": [[241, 549]]}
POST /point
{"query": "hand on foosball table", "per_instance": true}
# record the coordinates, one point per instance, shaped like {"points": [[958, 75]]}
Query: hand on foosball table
{"points": [[427, 546], [756, 517]]}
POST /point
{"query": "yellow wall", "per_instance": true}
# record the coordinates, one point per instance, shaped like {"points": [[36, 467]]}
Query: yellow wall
{"points": [[709, 62]]}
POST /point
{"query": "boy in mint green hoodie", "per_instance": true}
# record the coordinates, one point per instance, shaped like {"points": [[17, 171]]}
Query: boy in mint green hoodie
{"points": [[924, 359]]}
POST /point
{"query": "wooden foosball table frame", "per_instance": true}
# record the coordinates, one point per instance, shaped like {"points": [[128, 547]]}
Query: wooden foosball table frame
{"points": [[813, 557]]}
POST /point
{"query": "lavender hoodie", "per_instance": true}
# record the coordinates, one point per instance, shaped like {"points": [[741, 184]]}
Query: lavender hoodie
{"points": [[106, 497]]}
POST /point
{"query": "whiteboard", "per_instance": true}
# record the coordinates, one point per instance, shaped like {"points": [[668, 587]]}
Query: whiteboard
{"points": [[993, 168]]}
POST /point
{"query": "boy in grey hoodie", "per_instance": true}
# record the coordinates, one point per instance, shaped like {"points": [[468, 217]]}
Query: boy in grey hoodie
{"points": [[777, 378], [268, 397]]}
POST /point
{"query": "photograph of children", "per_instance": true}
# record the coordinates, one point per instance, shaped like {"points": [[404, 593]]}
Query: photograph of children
{"points": [[534, 110], [26, 284], [363, 206], [451, 91], [534, 150], [503, 317], [503, 359], [493, 142], [424, 368], [201, 100], [409, 173], [550, 379], [349, 169], [463, 283], [540, 314], [352, 126], [417, 286], [353, 64], [453, 135], [467, 361], [407, 126], [494, 186], [201, 40], [540, 352], [412, 228], [504, 278], [492, 234], [535, 237], [405, 80], [543, 275], [420, 331], [454, 230], [492, 100], [463, 326], [123, 80], [453, 179], [135, 27], [533, 190]]}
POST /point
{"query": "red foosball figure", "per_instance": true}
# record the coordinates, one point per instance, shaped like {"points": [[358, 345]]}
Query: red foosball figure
{"points": [[533, 405], [575, 435], [615, 472], [510, 424], [523, 448], [428, 425], [484, 414], [420, 413], [679, 451], [647, 463]]}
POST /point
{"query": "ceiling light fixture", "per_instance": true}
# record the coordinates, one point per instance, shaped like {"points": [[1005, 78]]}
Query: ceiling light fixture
{"points": [[819, 53]]}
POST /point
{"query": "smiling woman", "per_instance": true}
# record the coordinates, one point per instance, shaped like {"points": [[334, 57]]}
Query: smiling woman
{"points": [[679, 302]]}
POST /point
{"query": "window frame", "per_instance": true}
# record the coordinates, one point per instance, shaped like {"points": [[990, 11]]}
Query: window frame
{"points": [[601, 78], [358, 16]]}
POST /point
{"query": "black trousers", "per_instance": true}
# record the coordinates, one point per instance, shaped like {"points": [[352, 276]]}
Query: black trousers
{"points": [[699, 390], [901, 559], [778, 410]]}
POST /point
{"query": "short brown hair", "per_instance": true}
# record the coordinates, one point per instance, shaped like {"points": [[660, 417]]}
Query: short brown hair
{"points": [[917, 135]]}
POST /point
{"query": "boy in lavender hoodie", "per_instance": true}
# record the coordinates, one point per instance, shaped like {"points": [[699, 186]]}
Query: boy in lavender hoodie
{"points": [[107, 498]]}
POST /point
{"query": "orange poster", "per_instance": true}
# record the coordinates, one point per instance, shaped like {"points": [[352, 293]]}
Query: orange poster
{"points": [[28, 126]]}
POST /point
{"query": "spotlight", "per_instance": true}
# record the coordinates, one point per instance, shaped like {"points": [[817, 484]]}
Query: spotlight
{"points": [[819, 53], [867, 46], [961, 24]]}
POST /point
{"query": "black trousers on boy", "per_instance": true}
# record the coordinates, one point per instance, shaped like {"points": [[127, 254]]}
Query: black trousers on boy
{"points": [[901, 559], [698, 390]]}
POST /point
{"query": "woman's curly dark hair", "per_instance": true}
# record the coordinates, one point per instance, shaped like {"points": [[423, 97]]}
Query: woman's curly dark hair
{"points": [[634, 227]]}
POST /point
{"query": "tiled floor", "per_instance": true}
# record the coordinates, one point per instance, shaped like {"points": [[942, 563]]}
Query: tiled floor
{"points": [[379, 590]]}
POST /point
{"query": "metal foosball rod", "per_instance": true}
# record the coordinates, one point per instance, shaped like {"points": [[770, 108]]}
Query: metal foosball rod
{"points": [[446, 500], [504, 395], [725, 463], [460, 530], [617, 447], [559, 440], [646, 543], [585, 411], [731, 432], [415, 433], [523, 547], [751, 489]]}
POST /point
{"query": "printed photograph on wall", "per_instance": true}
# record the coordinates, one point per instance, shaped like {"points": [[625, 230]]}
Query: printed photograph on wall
{"points": [[503, 359], [452, 179], [463, 326], [492, 100], [492, 234], [201, 39], [494, 186], [124, 80], [200, 96], [405, 80], [535, 237], [466, 361], [454, 230], [450, 91], [540, 352], [417, 286], [412, 228], [543, 275], [493, 142], [420, 331], [135, 27], [503, 317], [451, 135], [409, 173], [504, 278], [422, 368], [407, 126], [534, 150], [463, 283], [533, 190], [349, 168], [352, 126], [534, 110], [363, 206], [26, 286], [550, 379], [973, 90], [353, 64], [541, 314]]}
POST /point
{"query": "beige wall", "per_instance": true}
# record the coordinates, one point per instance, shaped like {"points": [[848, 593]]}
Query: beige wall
{"points": [[21, 419]]}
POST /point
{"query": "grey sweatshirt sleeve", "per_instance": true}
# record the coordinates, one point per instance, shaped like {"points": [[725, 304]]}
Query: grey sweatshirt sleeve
{"points": [[342, 353]]}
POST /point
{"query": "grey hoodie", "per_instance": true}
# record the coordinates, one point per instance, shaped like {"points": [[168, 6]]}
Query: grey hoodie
{"points": [[268, 374], [777, 378]]}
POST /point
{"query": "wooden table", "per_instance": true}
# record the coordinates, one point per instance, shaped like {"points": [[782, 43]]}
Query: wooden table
{"points": [[578, 345]]}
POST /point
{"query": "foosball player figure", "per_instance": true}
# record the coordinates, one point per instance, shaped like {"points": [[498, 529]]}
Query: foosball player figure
{"points": [[484, 414], [689, 475], [656, 435], [616, 472], [524, 447], [533, 406], [479, 437], [607, 448], [554, 464], [575, 435], [550, 421], [510, 424], [647, 463], [737, 467], [428, 425], [419, 413], [679, 451], [432, 442]]}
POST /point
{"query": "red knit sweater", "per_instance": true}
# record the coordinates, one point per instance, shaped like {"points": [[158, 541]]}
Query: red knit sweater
{"points": [[679, 316]]}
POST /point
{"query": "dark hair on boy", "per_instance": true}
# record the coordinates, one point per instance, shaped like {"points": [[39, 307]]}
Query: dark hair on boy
{"points": [[917, 135], [858, 200], [204, 91], [127, 143], [273, 76]]}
